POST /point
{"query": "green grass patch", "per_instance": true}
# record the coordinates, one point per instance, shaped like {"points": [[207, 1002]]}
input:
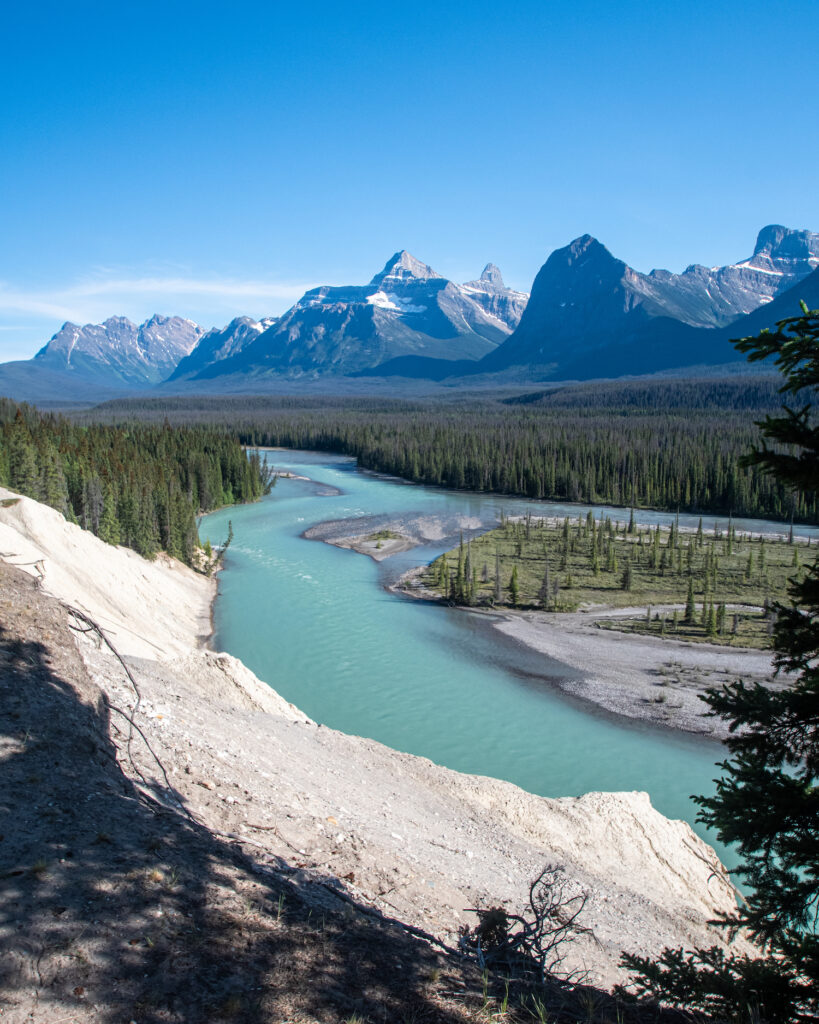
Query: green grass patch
{"points": [[567, 564], [740, 628], [385, 535]]}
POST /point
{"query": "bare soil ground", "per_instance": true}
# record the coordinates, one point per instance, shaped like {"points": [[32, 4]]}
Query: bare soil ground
{"points": [[119, 903], [117, 906]]}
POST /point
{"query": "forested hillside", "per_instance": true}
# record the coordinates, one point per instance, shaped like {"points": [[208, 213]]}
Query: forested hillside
{"points": [[663, 444], [140, 485]]}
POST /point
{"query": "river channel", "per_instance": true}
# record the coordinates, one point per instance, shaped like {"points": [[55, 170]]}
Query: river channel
{"points": [[316, 623]]}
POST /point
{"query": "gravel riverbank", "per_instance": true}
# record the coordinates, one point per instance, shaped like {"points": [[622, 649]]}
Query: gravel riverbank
{"points": [[652, 679]]}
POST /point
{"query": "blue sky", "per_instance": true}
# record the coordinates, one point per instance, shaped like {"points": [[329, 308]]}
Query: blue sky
{"points": [[210, 159]]}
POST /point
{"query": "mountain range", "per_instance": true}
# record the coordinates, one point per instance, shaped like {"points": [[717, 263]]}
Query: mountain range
{"points": [[406, 309], [587, 305], [589, 315], [120, 351]]}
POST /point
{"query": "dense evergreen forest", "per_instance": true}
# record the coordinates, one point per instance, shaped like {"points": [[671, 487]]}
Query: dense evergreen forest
{"points": [[662, 444], [140, 485]]}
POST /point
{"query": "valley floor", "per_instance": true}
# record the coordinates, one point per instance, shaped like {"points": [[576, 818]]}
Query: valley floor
{"points": [[168, 817]]}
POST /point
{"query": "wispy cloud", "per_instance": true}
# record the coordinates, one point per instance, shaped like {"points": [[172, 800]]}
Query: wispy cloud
{"points": [[29, 316], [95, 298]]}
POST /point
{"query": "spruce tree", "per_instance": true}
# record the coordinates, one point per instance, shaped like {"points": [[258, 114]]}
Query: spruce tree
{"points": [[469, 576], [711, 623], [767, 801], [690, 607], [514, 592], [545, 592], [458, 593]]}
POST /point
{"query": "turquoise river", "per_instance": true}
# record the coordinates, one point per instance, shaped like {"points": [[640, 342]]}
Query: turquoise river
{"points": [[316, 623]]}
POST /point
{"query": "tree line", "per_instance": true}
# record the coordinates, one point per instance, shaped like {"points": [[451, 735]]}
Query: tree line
{"points": [[673, 445], [140, 485]]}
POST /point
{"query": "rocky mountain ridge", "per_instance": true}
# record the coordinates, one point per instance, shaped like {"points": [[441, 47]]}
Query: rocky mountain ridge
{"points": [[118, 350], [406, 309], [589, 315], [592, 315], [218, 344]]}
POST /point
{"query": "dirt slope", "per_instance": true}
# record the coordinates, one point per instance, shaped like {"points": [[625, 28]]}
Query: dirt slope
{"points": [[214, 753]]}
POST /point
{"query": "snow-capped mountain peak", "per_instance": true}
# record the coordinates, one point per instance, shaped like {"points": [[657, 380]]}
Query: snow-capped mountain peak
{"points": [[403, 266]]}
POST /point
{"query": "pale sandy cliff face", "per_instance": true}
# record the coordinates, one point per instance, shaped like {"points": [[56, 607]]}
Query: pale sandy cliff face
{"points": [[156, 609], [414, 840]]}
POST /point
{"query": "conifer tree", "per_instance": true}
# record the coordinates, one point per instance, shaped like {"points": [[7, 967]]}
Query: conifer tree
{"points": [[514, 591], [767, 801], [443, 575], [545, 592], [458, 592], [469, 581], [690, 607], [711, 623]]}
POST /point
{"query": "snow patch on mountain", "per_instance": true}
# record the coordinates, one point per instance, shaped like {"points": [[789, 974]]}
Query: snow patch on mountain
{"points": [[390, 300]]}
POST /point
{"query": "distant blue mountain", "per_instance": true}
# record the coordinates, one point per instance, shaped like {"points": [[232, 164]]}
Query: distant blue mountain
{"points": [[591, 315], [220, 344], [118, 352]]}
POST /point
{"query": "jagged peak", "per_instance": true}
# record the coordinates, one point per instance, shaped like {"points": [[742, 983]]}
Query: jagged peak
{"points": [[239, 321], [775, 240], [160, 320], [583, 243], [581, 250], [157, 320], [403, 266], [117, 321], [491, 275]]}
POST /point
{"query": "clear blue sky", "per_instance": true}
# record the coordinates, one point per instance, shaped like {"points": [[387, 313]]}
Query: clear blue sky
{"points": [[215, 159]]}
